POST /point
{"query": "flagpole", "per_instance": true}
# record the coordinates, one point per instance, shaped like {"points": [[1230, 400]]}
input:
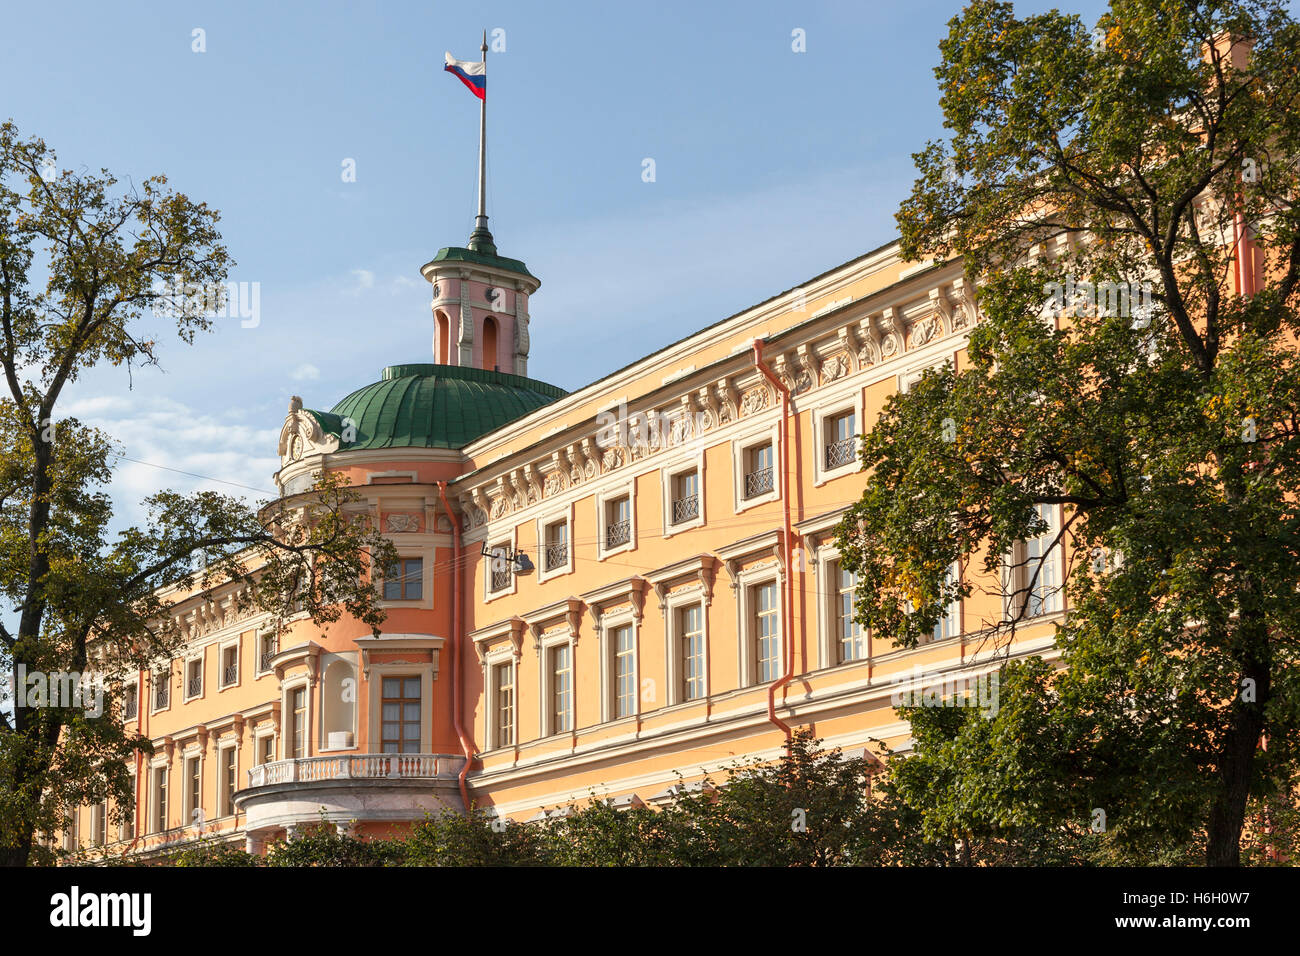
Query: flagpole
{"points": [[482, 238]]}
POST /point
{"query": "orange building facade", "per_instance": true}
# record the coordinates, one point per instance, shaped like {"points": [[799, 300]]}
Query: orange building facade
{"points": [[598, 591]]}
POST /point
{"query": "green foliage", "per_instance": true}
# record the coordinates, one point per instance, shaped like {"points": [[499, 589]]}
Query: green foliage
{"points": [[1169, 436], [86, 270]]}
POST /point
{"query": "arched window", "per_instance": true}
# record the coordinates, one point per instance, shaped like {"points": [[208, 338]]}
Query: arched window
{"points": [[490, 343], [442, 344]]}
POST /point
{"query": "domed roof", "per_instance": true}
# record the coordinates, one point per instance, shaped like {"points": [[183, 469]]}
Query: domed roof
{"points": [[433, 406]]}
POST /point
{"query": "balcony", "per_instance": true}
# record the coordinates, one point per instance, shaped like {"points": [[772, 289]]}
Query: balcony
{"points": [[840, 453], [161, 696], [556, 556], [618, 534], [129, 708], [229, 674], [264, 662], [500, 579], [758, 482], [346, 787], [686, 509], [193, 687]]}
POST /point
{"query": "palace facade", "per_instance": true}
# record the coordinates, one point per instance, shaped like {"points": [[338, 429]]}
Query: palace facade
{"points": [[598, 591]]}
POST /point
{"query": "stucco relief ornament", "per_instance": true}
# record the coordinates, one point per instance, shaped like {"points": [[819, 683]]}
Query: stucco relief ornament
{"points": [[924, 330], [836, 367], [498, 508], [889, 347], [554, 483], [754, 400], [403, 523]]}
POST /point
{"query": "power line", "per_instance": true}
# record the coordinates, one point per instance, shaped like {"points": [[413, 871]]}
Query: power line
{"points": [[192, 474]]}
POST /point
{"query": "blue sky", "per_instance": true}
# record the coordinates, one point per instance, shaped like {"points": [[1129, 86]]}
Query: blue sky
{"points": [[771, 166]]}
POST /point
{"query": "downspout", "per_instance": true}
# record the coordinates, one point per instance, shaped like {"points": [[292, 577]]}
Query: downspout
{"points": [[140, 714], [466, 744], [787, 610]]}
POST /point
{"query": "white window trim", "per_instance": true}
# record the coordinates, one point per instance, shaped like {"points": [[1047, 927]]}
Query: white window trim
{"points": [[156, 676], [507, 657], [189, 659], [554, 516], [546, 678], [740, 448], [828, 640], [376, 674], [222, 647], [129, 813], [126, 685], [493, 544], [1016, 574], [194, 752], [222, 750], [286, 708], [613, 493], [749, 582], [258, 737], [610, 622], [425, 600], [260, 639], [822, 414], [933, 361], [667, 473], [674, 603]]}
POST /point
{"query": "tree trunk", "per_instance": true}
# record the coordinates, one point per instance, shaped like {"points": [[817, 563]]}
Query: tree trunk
{"points": [[1236, 772]]}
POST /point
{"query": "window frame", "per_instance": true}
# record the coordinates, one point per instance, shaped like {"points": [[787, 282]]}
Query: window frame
{"points": [[189, 661], [426, 583], [669, 472], [742, 447], [604, 499], [562, 515], [235, 643], [507, 542], [227, 786], [824, 415]]}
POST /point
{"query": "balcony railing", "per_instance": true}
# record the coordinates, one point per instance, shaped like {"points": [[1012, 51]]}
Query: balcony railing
{"points": [[841, 452], [264, 662], [194, 687], [129, 708], [686, 509], [556, 556], [501, 579], [758, 482], [357, 767], [229, 674], [161, 695], [617, 534]]}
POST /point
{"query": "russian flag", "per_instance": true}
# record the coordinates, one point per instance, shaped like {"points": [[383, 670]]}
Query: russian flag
{"points": [[473, 75]]}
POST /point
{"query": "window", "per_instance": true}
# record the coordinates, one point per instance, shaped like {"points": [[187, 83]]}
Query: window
{"points": [[268, 645], [401, 715], [766, 631], [161, 689], [503, 686], [193, 791], [99, 823], [499, 567], [160, 799], [126, 829], [266, 749], [130, 702], [686, 497], [949, 624], [298, 722], [229, 665], [71, 841], [226, 805], [758, 471], [624, 671], [618, 522], [849, 636], [690, 624], [1041, 570], [404, 580], [557, 545], [841, 440], [561, 689], [193, 677]]}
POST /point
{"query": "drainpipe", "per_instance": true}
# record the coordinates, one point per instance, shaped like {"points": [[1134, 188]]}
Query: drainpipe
{"points": [[1244, 250], [141, 726], [787, 610], [466, 744]]}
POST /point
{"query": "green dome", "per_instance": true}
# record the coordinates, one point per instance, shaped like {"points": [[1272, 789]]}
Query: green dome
{"points": [[433, 406]]}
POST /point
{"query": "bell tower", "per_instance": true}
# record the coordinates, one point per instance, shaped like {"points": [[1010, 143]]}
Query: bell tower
{"points": [[480, 298]]}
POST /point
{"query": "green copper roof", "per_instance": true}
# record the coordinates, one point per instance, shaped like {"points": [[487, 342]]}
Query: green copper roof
{"points": [[457, 254], [433, 406]]}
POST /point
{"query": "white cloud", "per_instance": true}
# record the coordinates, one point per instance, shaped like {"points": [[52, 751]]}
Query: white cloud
{"points": [[365, 279], [306, 372]]}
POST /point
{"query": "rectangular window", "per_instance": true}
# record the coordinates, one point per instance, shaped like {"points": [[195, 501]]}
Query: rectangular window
{"points": [[161, 689], [690, 623], [841, 440], [557, 545], [228, 782], [193, 678], [130, 702], [229, 665], [849, 636], [1041, 571], [266, 749], [561, 689], [268, 647], [758, 470], [401, 715], [503, 682], [624, 671], [126, 829], [159, 799], [298, 722], [686, 497], [70, 835], [193, 791], [499, 567], [99, 821], [404, 580], [766, 633], [618, 522]]}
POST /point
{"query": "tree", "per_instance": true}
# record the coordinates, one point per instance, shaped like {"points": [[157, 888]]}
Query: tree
{"points": [[80, 266], [1159, 153]]}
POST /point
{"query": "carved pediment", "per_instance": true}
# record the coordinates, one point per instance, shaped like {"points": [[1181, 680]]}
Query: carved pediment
{"points": [[302, 437]]}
